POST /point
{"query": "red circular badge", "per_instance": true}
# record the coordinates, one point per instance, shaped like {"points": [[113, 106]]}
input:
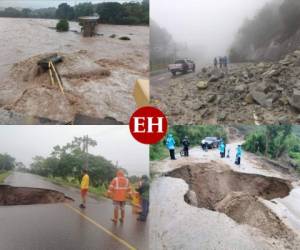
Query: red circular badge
{"points": [[148, 125]]}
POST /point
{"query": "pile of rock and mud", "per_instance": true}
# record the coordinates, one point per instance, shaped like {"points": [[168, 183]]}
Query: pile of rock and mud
{"points": [[265, 92]]}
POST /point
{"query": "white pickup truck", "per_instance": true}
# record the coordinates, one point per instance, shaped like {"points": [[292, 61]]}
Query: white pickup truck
{"points": [[182, 66]]}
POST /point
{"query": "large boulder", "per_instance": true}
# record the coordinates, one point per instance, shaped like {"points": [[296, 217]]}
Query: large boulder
{"points": [[287, 60], [249, 99], [262, 99], [202, 85], [261, 65], [271, 73], [295, 100], [213, 78], [240, 88]]}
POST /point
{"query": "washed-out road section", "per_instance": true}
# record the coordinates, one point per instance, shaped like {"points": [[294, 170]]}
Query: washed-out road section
{"points": [[63, 225], [180, 225]]}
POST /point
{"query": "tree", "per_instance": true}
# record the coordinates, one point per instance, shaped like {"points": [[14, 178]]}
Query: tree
{"points": [[12, 12], [62, 25], [7, 162], [26, 12], [111, 12], [270, 140], [68, 161], [84, 9], [65, 11]]}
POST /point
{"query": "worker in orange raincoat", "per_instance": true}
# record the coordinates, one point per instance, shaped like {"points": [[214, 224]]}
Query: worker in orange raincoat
{"points": [[118, 190]]}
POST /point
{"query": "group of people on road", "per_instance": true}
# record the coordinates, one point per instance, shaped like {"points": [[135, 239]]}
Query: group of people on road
{"points": [[238, 155], [170, 143], [119, 191], [222, 61]]}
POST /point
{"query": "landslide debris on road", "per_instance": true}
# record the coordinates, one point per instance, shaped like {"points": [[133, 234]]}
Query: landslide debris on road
{"points": [[266, 92], [11, 196], [238, 195]]}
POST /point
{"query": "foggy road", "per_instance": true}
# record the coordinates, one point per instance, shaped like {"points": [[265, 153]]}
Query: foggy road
{"points": [[163, 79], [64, 225], [165, 231]]}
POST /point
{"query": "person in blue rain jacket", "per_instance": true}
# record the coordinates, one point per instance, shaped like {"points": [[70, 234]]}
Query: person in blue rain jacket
{"points": [[222, 149], [170, 143], [238, 155]]}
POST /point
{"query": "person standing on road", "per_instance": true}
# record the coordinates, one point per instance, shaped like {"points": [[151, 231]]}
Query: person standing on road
{"points": [[118, 191], [216, 63], [144, 192], [186, 143], [222, 149], [238, 155], [221, 62], [225, 63], [228, 152], [84, 187], [170, 143]]}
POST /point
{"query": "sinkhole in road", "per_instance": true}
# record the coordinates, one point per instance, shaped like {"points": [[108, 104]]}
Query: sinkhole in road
{"points": [[216, 187], [10, 196]]}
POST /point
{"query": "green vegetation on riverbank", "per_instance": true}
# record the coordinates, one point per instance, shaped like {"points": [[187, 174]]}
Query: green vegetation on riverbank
{"points": [[130, 13]]}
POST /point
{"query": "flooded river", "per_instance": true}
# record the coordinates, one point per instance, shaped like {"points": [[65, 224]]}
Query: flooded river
{"points": [[99, 72]]}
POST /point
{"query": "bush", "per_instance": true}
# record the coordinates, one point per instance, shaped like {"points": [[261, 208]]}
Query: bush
{"points": [[62, 25], [256, 142]]}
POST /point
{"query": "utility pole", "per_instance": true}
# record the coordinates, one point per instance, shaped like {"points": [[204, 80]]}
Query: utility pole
{"points": [[86, 150]]}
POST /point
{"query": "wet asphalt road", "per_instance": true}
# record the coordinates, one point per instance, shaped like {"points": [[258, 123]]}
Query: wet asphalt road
{"points": [[64, 226], [160, 79]]}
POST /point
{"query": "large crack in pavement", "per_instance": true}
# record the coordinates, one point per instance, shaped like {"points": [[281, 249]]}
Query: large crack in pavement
{"points": [[238, 195], [11, 196]]}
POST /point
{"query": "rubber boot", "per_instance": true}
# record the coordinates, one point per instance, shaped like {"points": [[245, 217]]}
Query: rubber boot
{"points": [[122, 215], [116, 215]]}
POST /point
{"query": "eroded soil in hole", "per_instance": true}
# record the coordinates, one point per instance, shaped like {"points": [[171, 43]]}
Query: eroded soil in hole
{"points": [[28, 196], [238, 195]]}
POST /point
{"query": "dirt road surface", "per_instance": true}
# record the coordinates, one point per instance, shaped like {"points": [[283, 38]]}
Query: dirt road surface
{"points": [[183, 226], [64, 225], [98, 73]]}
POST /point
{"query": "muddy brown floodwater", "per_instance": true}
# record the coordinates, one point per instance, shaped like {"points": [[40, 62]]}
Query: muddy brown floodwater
{"points": [[98, 73], [10, 196], [238, 195]]}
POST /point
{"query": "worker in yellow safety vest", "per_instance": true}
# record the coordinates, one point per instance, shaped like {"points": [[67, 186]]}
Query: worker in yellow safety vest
{"points": [[84, 187]]}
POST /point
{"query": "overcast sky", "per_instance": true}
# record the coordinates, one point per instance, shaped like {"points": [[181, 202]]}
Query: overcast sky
{"points": [[48, 3], [209, 25], [115, 143]]}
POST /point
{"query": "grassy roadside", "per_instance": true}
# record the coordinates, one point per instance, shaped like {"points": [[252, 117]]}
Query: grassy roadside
{"points": [[3, 176], [99, 191]]}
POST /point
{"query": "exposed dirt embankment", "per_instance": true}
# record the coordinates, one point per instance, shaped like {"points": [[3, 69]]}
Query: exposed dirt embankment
{"points": [[238, 195], [28, 196]]}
